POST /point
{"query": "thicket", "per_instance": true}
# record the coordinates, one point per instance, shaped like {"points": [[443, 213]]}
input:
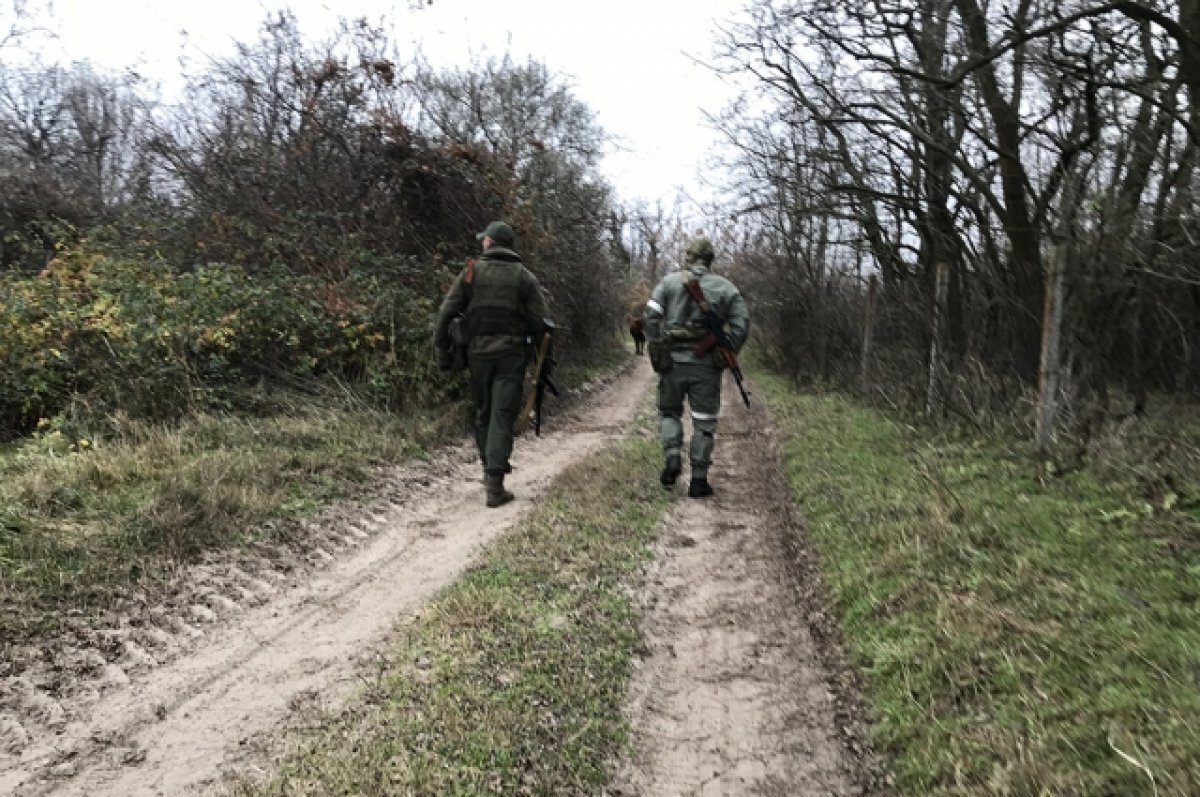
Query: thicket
{"points": [[95, 333], [294, 220]]}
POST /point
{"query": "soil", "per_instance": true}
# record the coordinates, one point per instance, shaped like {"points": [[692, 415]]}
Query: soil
{"points": [[736, 692], [740, 689]]}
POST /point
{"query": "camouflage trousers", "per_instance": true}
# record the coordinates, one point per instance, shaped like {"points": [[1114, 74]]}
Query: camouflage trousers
{"points": [[496, 384], [700, 385]]}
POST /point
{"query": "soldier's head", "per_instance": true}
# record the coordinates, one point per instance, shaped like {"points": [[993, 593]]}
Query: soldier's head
{"points": [[700, 250], [498, 233]]}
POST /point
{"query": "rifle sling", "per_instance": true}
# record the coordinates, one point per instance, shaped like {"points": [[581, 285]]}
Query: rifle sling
{"points": [[692, 286]]}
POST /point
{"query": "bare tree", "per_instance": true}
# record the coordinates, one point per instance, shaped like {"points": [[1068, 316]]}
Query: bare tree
{"points": [[973, 135], [71, 150], [545, 145]]}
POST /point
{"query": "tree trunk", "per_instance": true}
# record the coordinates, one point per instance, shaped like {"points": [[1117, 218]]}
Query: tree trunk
{"points": [[1024, 240]]}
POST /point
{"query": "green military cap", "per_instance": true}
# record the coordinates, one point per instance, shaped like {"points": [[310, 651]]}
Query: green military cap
{"points": [[700, 249], [499, 232]]}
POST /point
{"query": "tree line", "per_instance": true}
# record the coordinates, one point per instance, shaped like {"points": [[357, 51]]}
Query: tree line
{"points": [[1039, 156], [964, 206], [332, 189]]}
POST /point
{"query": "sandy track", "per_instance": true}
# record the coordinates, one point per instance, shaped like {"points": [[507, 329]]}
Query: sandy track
{"points": [[235, 663]]}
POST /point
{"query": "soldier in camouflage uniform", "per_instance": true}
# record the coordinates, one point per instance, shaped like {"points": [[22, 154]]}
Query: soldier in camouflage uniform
{"points": [[504, 313], [673, 331]]}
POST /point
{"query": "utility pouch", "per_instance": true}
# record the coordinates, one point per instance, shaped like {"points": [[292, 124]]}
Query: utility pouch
{"points": [[455, 357], [659, 352], [457, 330]]}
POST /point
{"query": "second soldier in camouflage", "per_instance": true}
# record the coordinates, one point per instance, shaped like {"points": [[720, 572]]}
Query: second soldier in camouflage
{"points": [[673, 333]]}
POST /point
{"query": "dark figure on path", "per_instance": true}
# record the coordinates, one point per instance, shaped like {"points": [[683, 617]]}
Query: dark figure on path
{"points": [[639, 335]]}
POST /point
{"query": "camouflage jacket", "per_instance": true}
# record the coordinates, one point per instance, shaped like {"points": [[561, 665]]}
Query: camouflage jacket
{"points": [[672, 316]]}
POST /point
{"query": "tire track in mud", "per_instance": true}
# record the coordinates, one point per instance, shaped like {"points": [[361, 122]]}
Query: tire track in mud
{"points": [[162, 704]]}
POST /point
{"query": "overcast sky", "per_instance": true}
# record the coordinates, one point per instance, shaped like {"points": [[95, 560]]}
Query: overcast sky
{"points": [[632, 61]]}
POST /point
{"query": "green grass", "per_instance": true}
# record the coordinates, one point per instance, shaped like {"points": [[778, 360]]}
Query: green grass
{"points": [[512, 680], [86, 519], [1021, 630], [82, 521]]}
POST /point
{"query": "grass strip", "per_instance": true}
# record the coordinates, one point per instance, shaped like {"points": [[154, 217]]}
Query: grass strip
{"points": [[512, 681], [82, 521], [1020, 632]]}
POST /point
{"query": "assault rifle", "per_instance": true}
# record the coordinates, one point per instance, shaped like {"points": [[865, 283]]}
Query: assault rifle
{"points": [[716, 337], [543, 375]]}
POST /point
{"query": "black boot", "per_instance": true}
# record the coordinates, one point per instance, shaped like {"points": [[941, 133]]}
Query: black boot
{"points": [[699, 488], [496, 494], [670, 472]]}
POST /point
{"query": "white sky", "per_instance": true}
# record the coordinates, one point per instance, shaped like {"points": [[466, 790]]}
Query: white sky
{"points": [[631, 61]]}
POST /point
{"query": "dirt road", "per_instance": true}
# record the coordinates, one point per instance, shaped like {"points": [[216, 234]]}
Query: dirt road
{"points": [[732, 698]]}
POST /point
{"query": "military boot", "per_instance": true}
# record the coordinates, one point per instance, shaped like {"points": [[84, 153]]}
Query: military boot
{"points": [[670, 471], [700, 488], [496, 494], [484, 478]]}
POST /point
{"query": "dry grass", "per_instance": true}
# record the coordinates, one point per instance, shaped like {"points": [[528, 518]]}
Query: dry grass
{"points": [[84, 521]]}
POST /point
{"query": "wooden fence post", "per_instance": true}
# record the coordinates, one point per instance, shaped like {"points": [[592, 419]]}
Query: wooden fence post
{"points": [[1049, 367], [937, 346], [868, 329]]}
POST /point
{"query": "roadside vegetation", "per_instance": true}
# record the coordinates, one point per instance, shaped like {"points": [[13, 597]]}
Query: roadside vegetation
{"points": [[511, 681], [1024, 625], [172, 413], [219, 319]]}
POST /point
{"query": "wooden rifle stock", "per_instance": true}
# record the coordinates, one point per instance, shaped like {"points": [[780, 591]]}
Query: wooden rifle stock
{"points": [[531, 411]]}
